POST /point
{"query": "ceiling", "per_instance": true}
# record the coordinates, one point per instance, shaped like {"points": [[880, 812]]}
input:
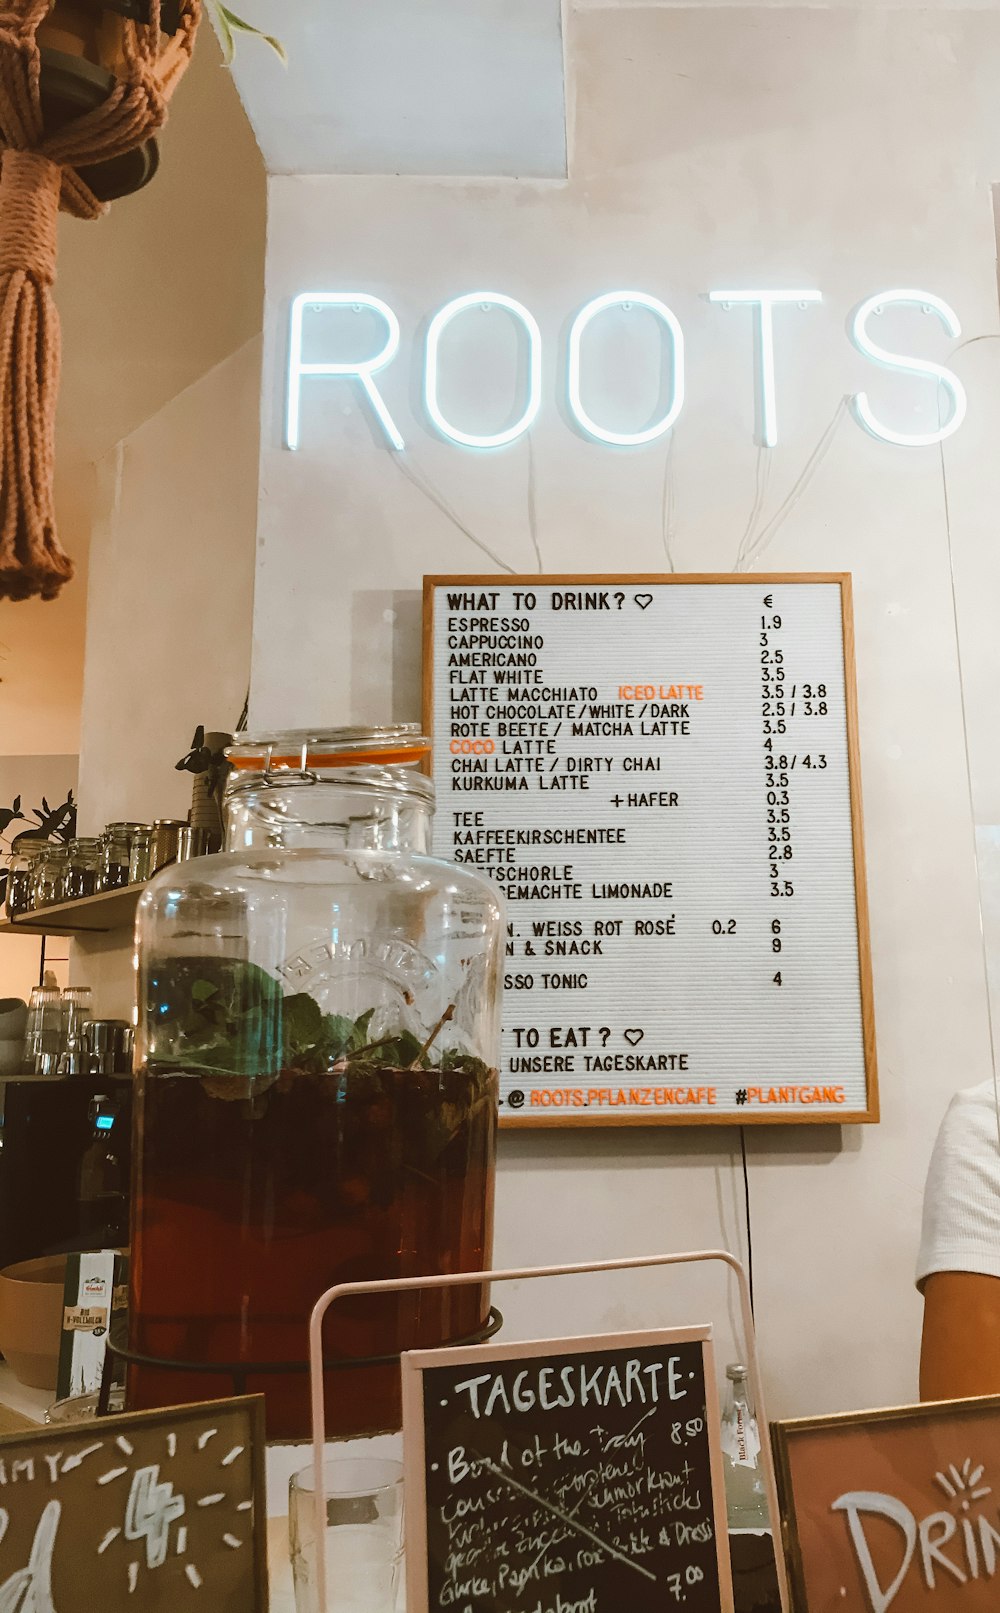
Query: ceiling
{"points": [[464, 87]]}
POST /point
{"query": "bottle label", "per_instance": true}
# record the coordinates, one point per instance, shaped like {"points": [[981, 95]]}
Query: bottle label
{"points": [[740, 1439], [84, 1319]]}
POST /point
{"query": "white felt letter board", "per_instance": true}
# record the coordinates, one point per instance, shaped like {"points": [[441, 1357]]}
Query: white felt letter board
{"points": [[661, 774]]}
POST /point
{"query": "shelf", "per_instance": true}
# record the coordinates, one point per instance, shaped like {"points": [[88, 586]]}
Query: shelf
{"points": [[90, 915]]}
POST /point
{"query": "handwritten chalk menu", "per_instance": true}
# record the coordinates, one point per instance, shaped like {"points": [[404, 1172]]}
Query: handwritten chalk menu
{"points": [[161, 1510], [661, 775], [573, 1474], [895, 1509]]}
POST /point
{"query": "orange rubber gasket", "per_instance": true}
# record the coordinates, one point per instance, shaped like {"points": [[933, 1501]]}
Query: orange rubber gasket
{"points": [[358, 758]]}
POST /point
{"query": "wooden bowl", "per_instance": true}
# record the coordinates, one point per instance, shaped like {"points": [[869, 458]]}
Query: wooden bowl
{"points": [[31, 1316], [12, 1057], [13, 1019]]}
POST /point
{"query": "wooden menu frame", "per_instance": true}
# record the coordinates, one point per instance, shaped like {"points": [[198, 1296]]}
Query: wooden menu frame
{"points": [[788, 1435], [50, 1453], [416, 1362], [869, 1114]]}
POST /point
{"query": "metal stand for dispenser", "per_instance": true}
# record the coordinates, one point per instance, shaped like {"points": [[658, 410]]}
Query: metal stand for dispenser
{"points": [[525, 1274], [238, 1372]]}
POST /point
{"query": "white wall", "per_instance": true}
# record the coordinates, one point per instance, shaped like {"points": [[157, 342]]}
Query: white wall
{"points": [[384, 90], [165, 450], [171, 590], [972, 470], [169, 613], [846, 149]]}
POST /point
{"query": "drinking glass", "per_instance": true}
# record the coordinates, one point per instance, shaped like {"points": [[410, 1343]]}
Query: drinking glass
{"points": [[77, 1009], [364, 1535], [81, 1408], [45, 1039]]}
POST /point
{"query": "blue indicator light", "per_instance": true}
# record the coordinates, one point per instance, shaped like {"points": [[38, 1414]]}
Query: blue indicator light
{"points": [[105, 1122]]}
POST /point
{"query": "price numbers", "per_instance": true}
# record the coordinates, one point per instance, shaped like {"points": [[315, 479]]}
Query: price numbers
{"points": [[782, 700], [676, 1582]]}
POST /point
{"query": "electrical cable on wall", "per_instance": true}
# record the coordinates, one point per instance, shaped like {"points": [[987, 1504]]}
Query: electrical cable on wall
{"points": [[532, 507], [785, 508], [746, 1198], [668, 520], [967, 748], [424, 485], [755, 539]]}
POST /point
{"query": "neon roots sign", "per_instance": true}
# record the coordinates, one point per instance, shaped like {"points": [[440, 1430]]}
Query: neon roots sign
{"points": [[760, 305]]}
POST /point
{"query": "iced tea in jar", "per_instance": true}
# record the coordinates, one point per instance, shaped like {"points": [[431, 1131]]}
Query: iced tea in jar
{"points": [[316, 1086]]}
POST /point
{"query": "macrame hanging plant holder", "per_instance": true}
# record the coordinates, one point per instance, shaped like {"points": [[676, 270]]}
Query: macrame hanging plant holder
{"points": [[42, 171]]}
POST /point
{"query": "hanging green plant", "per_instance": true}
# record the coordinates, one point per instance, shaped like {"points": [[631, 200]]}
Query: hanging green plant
{"points": [[229, 25]]}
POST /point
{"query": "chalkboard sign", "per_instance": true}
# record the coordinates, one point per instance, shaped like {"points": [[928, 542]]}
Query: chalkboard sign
{"points": [[160, 1510], [565, 1476], [661, 774], [893, 1510]]}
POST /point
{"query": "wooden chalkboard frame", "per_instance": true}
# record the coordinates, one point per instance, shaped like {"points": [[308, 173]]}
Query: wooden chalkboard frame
{"points": [[169, 1418], [417, 1362], [790, 1430], [869, 1114]]}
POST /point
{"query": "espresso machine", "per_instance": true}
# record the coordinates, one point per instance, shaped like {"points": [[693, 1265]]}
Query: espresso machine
{"points": [[65, 1151]]}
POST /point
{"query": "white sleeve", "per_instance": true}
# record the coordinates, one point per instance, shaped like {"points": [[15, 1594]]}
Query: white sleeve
{"points": [[961, 1222]]}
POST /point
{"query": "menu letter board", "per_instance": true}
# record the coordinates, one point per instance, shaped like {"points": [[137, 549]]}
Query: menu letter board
{"points": [[895, 1509], [661, 774], [578, 1475], [161, 1510]]}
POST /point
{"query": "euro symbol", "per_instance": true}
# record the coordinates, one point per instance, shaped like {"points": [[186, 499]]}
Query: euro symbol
{"points": [[767, 600]]}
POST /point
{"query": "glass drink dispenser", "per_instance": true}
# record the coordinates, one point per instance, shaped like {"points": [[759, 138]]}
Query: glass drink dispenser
{"points": [[316, 1086]]}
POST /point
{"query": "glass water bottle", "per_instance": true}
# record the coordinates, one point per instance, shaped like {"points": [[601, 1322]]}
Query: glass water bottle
{"points": [[316, 1088], [746, 1498]]}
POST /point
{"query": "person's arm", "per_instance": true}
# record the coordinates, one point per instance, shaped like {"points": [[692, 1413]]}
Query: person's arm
{"points": [[958, 1269], [960, 1347]]}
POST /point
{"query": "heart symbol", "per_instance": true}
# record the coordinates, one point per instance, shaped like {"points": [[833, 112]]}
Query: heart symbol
{"points": [[643, 600], [633, 1037]]}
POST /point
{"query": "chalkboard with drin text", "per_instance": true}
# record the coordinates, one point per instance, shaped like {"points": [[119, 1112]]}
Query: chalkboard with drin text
{"points": [[661, 774], [567, 1476], [893, 1509]]}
